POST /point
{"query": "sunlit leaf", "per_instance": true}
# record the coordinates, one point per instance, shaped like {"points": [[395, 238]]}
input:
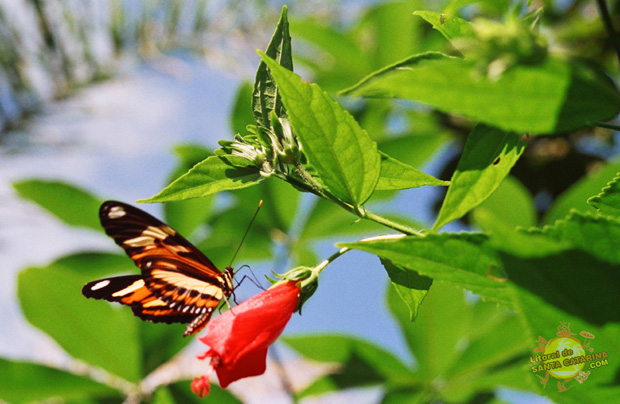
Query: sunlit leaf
{"points": [[552, 97], [488, 156], [212, 175], [342, 153], [72, 205]]}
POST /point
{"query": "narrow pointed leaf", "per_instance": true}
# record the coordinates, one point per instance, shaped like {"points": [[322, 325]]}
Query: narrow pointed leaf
{"points": [[488, 156], [266, 97], [342, 153], [398, 175], [410, 286], [210, 176]]}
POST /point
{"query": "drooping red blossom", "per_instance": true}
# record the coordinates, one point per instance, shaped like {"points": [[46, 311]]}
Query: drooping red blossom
{"points": [[238, 339]]}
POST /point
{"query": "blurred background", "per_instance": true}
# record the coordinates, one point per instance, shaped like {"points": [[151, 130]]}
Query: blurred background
{"points": [[100, 94]]}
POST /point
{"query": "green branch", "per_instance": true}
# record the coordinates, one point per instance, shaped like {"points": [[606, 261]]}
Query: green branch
{"points": [[362, 213]]}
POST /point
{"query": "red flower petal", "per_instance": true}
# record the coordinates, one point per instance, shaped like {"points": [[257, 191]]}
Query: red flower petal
{"points": [[239, 338], [200, 386]]}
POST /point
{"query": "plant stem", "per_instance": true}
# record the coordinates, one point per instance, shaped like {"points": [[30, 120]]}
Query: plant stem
{"points": [[606, 125], [362, 213], [604, 12], [319, 268]]}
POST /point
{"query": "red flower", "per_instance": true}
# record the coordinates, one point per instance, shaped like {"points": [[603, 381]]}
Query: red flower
{"points": [[238, 339]]}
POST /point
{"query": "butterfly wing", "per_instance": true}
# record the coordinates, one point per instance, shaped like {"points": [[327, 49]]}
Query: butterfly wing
{"points": [[179, 284], [132, 291]]}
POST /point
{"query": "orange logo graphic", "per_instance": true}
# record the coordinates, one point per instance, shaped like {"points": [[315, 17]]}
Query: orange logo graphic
{"points": [[566, 357]]}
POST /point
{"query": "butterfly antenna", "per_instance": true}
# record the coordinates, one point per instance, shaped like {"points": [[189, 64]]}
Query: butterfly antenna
{"points": [[246, 232]]}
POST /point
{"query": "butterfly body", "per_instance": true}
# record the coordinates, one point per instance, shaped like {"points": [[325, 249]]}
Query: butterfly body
{"points": [[178, 284]]}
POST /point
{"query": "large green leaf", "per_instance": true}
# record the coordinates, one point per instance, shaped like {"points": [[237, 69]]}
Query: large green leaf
{"points": [[342, 153], [72, 205], [608, 200], [465, 259], [511, 203], [210, 176], [552, 97], [488, 156], [577, 195], [24, 382], [92, 331], [398, 175], [266, 97]]}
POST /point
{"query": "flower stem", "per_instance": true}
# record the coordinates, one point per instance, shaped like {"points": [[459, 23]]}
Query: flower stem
{"points": [[362, 213], [609, 27], [319, 268]]}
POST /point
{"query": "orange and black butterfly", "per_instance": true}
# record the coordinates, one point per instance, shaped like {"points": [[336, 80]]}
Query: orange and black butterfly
{"points": [[178, 283]]}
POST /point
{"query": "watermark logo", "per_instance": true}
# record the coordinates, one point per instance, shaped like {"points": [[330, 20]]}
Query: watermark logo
{"points": [[566, 357]]}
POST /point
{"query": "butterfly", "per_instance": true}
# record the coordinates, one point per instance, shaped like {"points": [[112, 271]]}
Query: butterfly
{"points": [[178, 283]]}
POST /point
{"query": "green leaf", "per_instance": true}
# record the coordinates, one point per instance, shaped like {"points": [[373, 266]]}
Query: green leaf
{"points": [[450, 27], [72, 205], [576, 288], [266, 97], [242, 113], [375, 361], [576, 196], [90, 330], [608, 201], [397, 175], [466, 259], [336, 46], [433, 338], [24, 382], [488, 156], [186, 215], [595, 234], [504, 237], [215, 174], [410, 286], [160, 343], [342, 153], [553, 97], [511, 203]]}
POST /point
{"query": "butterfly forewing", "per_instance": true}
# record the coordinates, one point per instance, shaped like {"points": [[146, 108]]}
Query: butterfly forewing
{"points": [[178, 283]]}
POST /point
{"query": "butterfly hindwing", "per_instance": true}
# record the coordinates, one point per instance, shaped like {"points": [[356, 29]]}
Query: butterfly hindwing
{"points": [[178, 283], [131, 290]]}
